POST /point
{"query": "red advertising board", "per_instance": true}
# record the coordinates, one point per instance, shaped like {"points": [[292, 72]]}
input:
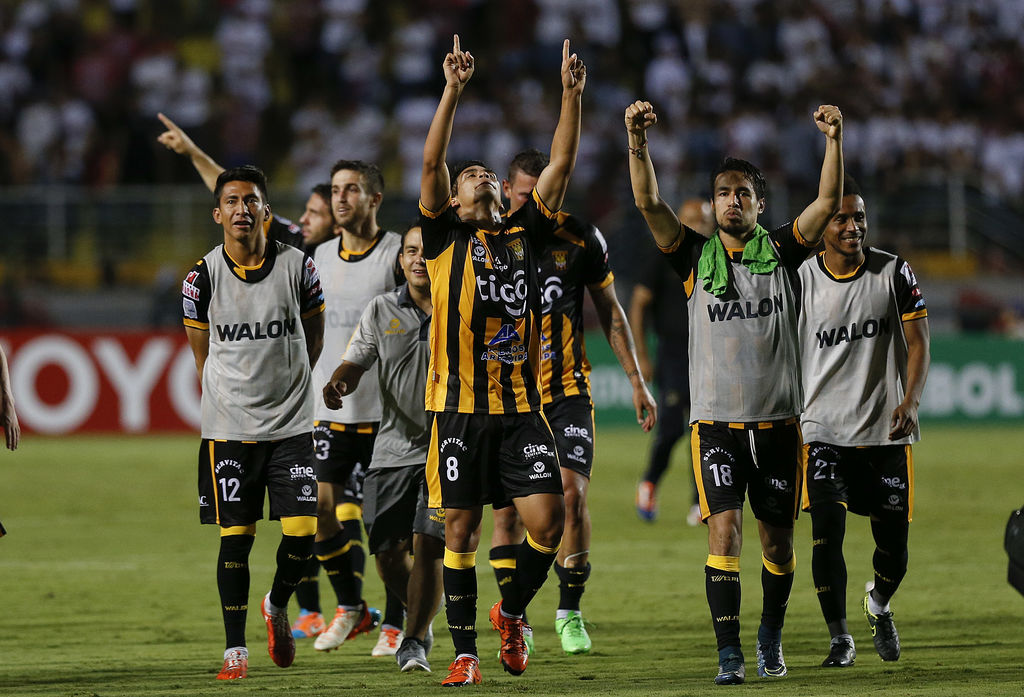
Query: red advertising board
{"points": [[128, 382]]}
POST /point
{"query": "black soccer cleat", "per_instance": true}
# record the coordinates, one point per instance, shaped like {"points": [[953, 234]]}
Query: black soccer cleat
{"points": [[841, 654], [731, 670], [883, 631]]}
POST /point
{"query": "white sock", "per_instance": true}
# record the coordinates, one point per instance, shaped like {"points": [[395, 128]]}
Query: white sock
{"points": [[561, 614], [839, 637], [273, 609], [511, 617], [874, 607], [467, 655], [244, 651]]}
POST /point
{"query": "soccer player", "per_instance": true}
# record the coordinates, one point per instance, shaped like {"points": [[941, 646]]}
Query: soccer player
{"points": [[657, 295], [316, 225], [392, 334], [357, 265], [864, 359], [253, 313], [8, 416], [574, 260], [489, 442], [744, 372]]}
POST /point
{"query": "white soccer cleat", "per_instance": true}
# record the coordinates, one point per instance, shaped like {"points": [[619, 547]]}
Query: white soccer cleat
{"points": [[388, 642], [339, 629]]}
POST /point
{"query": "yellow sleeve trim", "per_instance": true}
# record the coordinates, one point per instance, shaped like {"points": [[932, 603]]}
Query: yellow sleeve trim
{"points": [[724, 563], [547, 212], [205, 326], [799, 237], [917, 314], [434, 214], [608, 280], [314, 312], [675, 245]]}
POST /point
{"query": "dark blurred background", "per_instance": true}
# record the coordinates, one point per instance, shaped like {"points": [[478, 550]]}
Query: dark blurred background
{"points": [[101, 222]]}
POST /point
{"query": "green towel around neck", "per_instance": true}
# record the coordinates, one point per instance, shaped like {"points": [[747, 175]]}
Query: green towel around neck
{"points": [[713, 266]]}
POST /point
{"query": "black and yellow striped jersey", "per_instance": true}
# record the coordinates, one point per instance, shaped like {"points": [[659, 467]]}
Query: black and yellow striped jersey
{"points": [[484, 343], [576, 257]]}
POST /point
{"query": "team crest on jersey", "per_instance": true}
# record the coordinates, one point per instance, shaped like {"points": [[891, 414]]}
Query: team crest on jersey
{"points": [[517, 249], [561, 258], [505, 334], [395, 327]]}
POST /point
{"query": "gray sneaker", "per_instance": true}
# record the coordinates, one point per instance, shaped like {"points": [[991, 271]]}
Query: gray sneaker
{"points": [[412, 655]]}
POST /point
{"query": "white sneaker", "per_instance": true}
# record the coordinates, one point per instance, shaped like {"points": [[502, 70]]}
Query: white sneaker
{"points": [[338, 630], [388, 642]]}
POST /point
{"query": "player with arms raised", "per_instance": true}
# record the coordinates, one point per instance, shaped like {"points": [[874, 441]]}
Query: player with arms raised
{"points": [[490, 443]]}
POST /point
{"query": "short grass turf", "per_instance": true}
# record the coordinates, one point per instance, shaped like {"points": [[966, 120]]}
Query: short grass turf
{"points": [[107, 586]]}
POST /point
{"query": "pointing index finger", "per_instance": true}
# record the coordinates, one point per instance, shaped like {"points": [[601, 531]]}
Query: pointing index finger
{"points": [[166, 121], [565, 50]]}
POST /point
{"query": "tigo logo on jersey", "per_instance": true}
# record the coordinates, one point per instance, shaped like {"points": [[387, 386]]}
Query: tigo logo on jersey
{"points": [[512, 294], [552, 292]]}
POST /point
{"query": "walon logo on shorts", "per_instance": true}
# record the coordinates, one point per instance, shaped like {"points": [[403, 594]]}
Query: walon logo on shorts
{"points": [[307, 494], [539, 471]]}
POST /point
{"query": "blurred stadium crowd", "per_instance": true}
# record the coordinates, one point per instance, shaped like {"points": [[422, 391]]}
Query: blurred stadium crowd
{"points": [[928, 86], [931, 90]]}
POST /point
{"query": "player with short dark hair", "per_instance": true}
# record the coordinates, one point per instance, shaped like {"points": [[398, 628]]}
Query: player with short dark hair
{"points": [[357, 265], [575, 259], [655, 302], [744, 373], [864, 358], [253, 313], [490, 443], [405, 536]]}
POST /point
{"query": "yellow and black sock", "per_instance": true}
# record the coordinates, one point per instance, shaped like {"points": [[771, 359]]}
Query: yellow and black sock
{"points": [[343, 559], [722, 585], [307, 593], [233, 585], [890, 557], [532, 563], [503, 562], [293, 555], [459, 574], [776, 585], [828, 567], [572, 582]]}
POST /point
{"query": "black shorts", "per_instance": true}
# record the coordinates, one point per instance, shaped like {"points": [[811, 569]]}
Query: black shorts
{"points": [[572, 424], [475, 459], [396, 507], [341, 450], [234, 474], [730, 460], [876, 480]]}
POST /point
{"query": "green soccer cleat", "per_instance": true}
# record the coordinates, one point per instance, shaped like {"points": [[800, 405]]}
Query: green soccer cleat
{"points": [[573, 633], [883, 631]]}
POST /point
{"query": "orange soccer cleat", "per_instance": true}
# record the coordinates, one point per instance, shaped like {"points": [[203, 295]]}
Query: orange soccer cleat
{"points": [[464, 670], [514, 654], [280, 642], [236, 664]]}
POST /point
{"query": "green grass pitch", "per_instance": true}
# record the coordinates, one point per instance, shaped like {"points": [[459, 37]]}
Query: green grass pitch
{"points": [[107, 586]]}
